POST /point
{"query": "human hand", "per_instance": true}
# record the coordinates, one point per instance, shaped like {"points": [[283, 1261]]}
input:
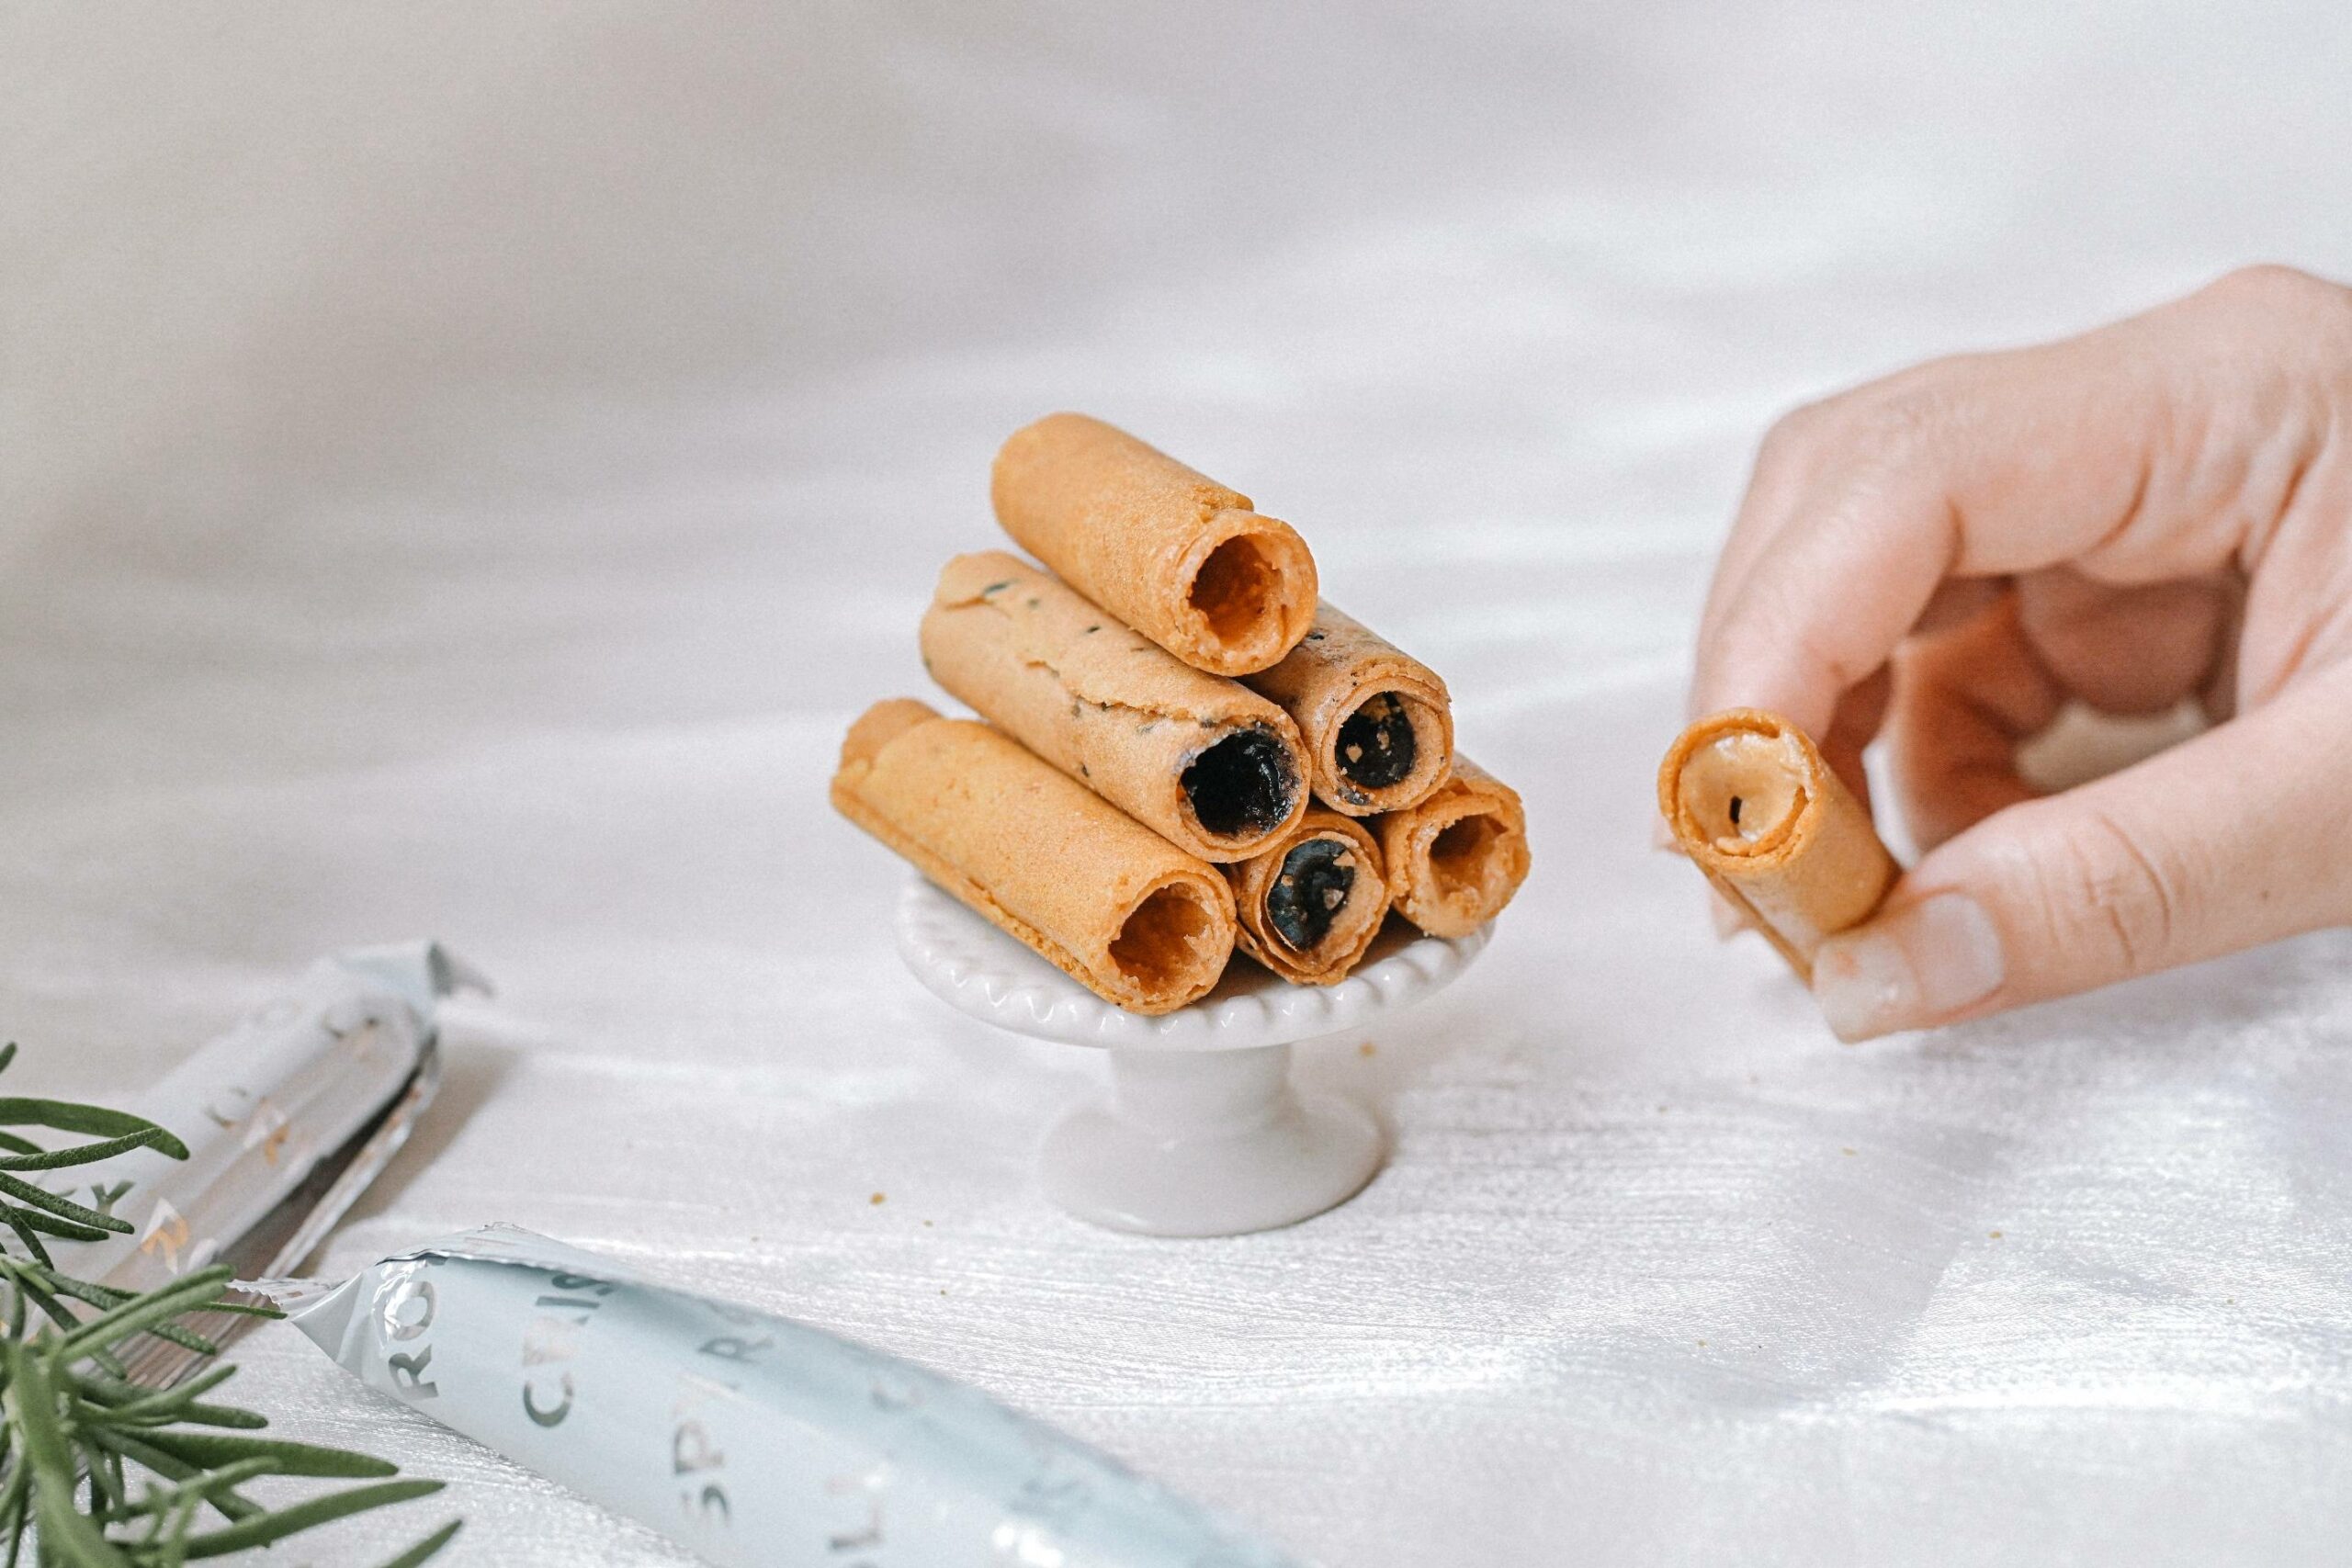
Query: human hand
{"points": [[2157, 510]]}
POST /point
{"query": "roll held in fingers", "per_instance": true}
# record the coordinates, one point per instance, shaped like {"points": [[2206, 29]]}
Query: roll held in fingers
{"points": [[1105, 899], [1751, 799], [1311, 903], [1377, 722], [1182, 558], [1458, 857], [1212, 767]]}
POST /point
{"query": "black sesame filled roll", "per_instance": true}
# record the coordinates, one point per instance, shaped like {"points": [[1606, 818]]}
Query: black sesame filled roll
{"points": [[1378, 723], [1310, 905], [1213, 768]]}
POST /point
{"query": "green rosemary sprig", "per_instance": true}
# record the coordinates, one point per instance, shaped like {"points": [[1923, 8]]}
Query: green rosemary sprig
{"points": [[97, 1471]]}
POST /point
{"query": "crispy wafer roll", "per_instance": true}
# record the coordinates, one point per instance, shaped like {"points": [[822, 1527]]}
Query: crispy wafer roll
{"points": [[1755, 807], [1172, 553], [1214, 768], [1312, 902], [1458, 857], [1377, 722], [1116, 906]]}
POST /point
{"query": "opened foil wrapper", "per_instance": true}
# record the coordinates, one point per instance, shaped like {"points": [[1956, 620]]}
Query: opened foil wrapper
{"points": [[746, 1437], [286, 1117]]}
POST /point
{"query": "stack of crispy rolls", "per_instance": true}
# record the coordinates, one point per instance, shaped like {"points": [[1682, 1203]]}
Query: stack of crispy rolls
{"points": [[1185, 749]]}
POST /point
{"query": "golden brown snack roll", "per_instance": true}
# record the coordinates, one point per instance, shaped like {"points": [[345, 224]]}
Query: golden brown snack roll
{"points": [[1312, 902], [1752, 802], [1377, 722], [1179, 557], [1105, 899], [1212, 767], [1456, 858]]}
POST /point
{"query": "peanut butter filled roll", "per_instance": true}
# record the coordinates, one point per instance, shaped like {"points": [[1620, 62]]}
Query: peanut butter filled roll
{"points": [[1105, 899], [1214, 768], [1459, 856], [1753, 804], [1311, 904], [1172, 553], [1377, 722]]}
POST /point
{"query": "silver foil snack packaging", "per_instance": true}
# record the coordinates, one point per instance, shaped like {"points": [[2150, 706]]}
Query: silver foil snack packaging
{"points": [[345, 1054], [745, 1438]]}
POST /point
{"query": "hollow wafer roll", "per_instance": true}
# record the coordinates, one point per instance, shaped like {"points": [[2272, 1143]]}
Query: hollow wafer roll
{"points": [[1458, 857], [1177, 556], [1312, 902], [1108, 901], [1753, 804], [1377, 722], [1212, 766]]}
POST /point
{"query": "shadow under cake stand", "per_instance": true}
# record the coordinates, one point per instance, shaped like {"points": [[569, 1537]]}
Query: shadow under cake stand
{"points": [[1203, 1132]]}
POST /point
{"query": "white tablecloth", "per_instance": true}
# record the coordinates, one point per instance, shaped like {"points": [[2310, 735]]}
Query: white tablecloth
{"points": [[465, 465]]}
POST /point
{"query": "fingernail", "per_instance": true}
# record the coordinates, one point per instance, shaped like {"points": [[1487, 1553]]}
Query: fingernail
{"points": [[1908, 969]]}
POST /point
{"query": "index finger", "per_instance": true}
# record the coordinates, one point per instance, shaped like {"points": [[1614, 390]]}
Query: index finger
{"points": [[1974, 467]]}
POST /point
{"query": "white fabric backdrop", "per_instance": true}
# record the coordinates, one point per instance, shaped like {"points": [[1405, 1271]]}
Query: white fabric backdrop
{"points": [[461, 467]]}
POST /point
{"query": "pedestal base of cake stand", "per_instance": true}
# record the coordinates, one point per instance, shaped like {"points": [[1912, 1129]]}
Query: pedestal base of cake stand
{"points": [[1203, 1132], [1208, 1144]]}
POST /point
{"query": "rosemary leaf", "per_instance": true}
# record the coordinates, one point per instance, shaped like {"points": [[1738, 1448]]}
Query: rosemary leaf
{"points": [[69, 1116], [24, 1191], [31, 1404], [43, 1220], [423, 1551], [105, 1486], [229, 1503], [14, 1300], [222, 1415], [210, 1448], [189, 1495], [88, 1153], [130, 1403], [162, 1305], [308, 1513], [36, 1291]]}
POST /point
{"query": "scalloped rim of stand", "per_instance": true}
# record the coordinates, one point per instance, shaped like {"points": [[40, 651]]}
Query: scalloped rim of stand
{"points": [[985, 974]]}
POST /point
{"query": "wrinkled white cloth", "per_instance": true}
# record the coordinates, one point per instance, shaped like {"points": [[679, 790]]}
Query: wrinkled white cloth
{"points": [[463, 467]]}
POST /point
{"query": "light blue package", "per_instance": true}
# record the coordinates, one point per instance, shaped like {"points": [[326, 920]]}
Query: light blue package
{"points": [[748, 1438]]}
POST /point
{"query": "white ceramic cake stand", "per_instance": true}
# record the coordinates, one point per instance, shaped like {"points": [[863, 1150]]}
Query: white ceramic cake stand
{"points": [[1203, 1132]]}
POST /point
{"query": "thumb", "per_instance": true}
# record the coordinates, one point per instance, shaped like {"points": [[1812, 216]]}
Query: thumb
{"points": [[2235, 838]]}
